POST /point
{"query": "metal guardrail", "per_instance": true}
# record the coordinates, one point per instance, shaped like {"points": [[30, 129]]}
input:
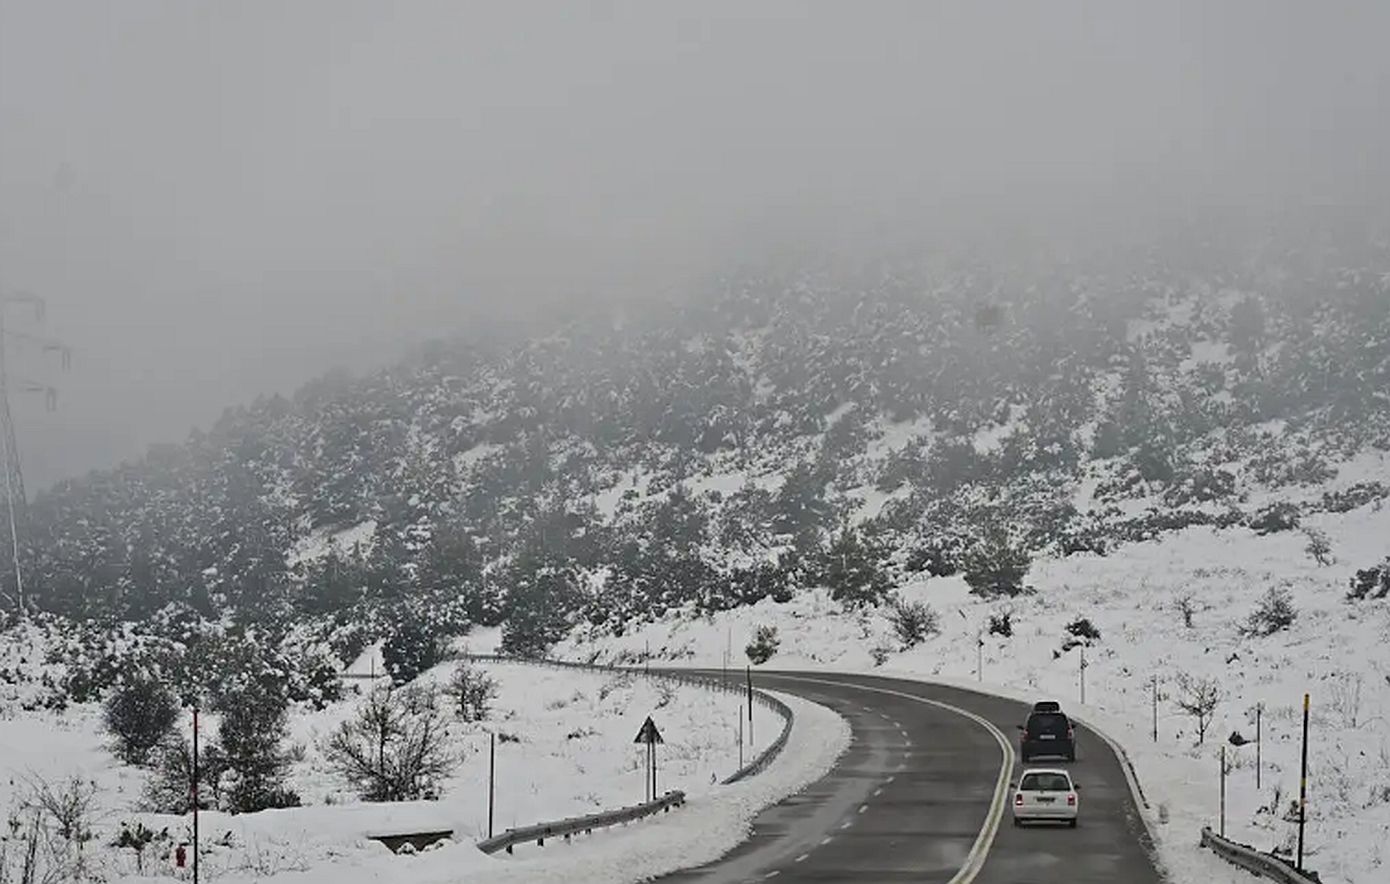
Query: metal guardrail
{"points": [[1252, 860], [575, 825], [565, 828]]}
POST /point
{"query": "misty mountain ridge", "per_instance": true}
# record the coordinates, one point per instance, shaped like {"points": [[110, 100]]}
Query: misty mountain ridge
{"points": [[797, 428]]}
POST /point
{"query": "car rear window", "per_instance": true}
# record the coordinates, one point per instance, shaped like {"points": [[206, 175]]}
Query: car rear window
{"points": [[1044, 782], [1048, 723]]}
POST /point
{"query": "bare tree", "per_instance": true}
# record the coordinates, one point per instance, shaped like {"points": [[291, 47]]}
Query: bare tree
{"points": [[1187, 607], [471, 691], [1345, 699], [68, 806], [397, 746], [1319, 547], [1199, 698]]}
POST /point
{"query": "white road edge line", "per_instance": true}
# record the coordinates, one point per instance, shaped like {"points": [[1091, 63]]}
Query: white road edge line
{"points": [[979, 851]]}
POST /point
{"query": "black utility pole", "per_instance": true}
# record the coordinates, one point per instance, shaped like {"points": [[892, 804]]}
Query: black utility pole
{"points": [[491, 781], [1303, 786], [750, 706], [195, 795]]}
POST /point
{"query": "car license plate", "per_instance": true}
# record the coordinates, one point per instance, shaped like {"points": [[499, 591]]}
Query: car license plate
{"points": [[1046, 800], [1047, 736]]}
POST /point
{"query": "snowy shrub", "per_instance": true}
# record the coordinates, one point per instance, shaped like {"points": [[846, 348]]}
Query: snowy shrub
{"points": [[880, 652], [396, 747], [1082, 628], [410, 649], [1371, 583], [471, 691], [251, 737], [138, 838], [1280, 516], [939, 556], [139, 715], [763, 646], [1002, 624], [1199, 698], [853, 571], [1354, 497], [912, 621], [1200, 485], [665, 694], [1275, 612], [995, 567]]}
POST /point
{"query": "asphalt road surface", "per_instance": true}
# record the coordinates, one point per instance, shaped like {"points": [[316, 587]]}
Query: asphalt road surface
{"points": [[922, 795]]}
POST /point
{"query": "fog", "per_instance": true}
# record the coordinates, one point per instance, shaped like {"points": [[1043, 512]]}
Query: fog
{"points": [[219, 200]]}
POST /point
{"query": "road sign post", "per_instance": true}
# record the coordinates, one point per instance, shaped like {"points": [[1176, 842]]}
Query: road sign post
{"points": [[650, 736]]}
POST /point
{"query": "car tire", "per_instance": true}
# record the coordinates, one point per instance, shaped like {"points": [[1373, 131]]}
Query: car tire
{"points": [[1018, 823], [1071, 823], [1071, 756]]}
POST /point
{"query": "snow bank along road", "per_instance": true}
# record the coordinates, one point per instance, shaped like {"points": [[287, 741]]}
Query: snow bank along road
{"points": [[922, 795]]}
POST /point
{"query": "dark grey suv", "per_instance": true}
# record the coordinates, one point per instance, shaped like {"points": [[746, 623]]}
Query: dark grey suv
{"points": [[1047, 733]]}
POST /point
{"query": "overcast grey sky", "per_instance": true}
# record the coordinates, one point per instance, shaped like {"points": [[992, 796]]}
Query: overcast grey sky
{"points": [[222, 199]]}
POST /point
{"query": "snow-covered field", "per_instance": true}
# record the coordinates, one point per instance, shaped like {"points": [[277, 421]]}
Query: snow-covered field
{"points": [[565, 748], [1335, 650]]}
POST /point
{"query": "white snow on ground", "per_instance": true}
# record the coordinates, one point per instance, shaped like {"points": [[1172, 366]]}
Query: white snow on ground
{"points": [[568, 749], [1334, 650], [318, 543]]}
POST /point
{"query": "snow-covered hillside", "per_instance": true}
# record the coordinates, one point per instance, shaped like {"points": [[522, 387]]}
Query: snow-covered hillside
{"points": [[1334, 650]]}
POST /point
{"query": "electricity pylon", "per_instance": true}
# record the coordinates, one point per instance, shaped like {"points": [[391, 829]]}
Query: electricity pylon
{"points": [[15, 497]]}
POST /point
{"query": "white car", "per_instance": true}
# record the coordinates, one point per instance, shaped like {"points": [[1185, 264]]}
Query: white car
{"points": [[1046, 794]]}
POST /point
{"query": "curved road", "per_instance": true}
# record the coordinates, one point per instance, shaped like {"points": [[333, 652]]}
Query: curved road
{"points": [[918, 795]]}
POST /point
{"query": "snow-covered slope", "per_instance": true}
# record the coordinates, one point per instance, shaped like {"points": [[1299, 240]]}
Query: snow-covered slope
{"points": [[1334, 650]]}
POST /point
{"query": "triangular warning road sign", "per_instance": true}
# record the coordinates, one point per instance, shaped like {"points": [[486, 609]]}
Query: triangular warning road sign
{"points": [[649, 733]]}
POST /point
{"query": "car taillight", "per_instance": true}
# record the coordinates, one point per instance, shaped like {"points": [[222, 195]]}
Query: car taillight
{"points": [[1071, 733], [1018, 799], [1071, 799]]}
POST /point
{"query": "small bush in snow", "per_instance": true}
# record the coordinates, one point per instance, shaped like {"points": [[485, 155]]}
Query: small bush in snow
{"points": [[139, 714], [763, 646], [1199, 698], [1002, 624], [1344, 697], [138, 838], [1319, 548], [913, 621], [396, 748], [1082, 628], [1371, 583], [1276, 517], [880, 652], [1274, 613], [471, 691]]}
